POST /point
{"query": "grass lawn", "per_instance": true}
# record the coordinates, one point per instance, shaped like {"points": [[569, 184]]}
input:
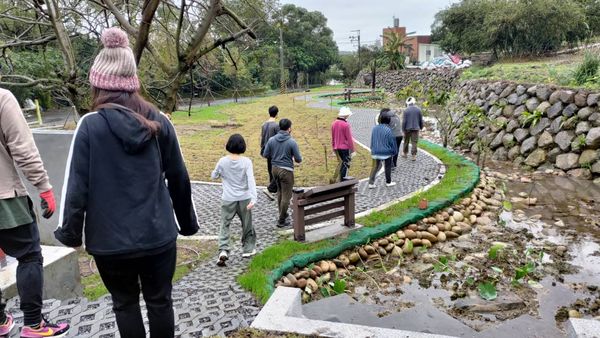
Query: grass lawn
{"points": [[555, 70], [257, 278], [203, 137]]}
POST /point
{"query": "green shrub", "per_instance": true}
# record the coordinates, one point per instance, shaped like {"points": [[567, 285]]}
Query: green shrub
{"points": [[587, 71]]}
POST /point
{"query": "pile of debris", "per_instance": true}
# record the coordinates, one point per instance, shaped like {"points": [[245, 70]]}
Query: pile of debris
{"points": [[446, 61]]}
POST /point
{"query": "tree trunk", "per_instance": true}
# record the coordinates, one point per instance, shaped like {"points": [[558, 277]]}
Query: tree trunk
{"points": [[170, 103]]}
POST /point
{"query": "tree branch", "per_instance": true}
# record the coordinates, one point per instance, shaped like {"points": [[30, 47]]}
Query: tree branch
{"points": [[141, 41], [221, 42], [24, 20], [226, 11], [29, 82], [179, 26], [212, 12]]}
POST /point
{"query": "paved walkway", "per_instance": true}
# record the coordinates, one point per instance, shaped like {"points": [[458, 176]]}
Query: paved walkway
{"points": [[208, 301]]}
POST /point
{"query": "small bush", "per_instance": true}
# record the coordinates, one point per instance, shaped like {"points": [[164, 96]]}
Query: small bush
{"points": [[587, 71]]}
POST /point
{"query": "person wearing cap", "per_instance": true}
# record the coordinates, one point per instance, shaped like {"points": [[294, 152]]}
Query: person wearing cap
{"points": [[19, 234], [125, 184], [342, 143], [412, 124]]}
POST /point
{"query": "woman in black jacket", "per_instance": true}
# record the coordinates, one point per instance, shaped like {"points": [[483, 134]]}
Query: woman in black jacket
{"points": [[125, 177]]}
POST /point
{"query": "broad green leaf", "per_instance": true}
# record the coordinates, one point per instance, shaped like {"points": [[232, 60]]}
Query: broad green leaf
{"points": [[520, 273], [339, 286], [325, 292], [507, 205], [487, 291]]}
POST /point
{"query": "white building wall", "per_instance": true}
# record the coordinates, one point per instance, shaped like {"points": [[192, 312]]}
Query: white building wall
{"points": [[427, 51]]}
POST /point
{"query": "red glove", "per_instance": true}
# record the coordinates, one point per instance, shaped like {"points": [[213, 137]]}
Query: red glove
{"points": [[48, 203]]}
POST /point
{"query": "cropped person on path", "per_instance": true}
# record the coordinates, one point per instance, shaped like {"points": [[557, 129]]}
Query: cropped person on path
{"points": [[125, 184], [342, 143], [396, 126], [19, 234], [239, 197], [283, 151], [268, 130], [412, 124], [383, 149]]}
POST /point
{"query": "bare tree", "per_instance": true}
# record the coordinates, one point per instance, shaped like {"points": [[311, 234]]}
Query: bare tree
{"points": [[171, 35], [187, 26]]}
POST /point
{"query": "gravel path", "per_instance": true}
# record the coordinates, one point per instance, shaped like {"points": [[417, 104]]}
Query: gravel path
{"points": [[208, 301]]}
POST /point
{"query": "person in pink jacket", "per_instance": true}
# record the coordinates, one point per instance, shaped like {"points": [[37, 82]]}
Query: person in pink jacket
{"points": [[342, 143], [19, 234]]}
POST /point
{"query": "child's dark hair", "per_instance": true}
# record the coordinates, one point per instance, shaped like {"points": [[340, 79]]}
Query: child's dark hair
{"points": [[385, 119], [273, 111], [285, 124], [236, 144]]}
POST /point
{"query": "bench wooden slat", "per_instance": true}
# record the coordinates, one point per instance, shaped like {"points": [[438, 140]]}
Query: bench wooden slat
{"points": [[318, 199], [321, 208], [326, 217], [329, 188]]}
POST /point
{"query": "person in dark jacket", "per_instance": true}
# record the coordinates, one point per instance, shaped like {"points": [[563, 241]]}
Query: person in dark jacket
{"points": [[412, 124], [269, 129], [283, 151], [125, 177], [383, 149]]}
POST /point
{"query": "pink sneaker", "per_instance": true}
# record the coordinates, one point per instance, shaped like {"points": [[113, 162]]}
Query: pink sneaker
{"points": [[46, 329], [7, 326]]}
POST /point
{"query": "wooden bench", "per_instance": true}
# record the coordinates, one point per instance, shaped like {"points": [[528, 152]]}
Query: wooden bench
{"points": [[328, 198]]}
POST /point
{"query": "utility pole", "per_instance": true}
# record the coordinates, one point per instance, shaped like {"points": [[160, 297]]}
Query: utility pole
{"points": [[282, 84], [357, 38]]}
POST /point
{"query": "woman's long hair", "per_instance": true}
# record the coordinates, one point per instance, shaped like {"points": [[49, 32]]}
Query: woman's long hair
{"points": [[131, 100]]}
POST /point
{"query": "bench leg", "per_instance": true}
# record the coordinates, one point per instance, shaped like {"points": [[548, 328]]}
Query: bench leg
{"points": [[349, 204], [298, 218]]}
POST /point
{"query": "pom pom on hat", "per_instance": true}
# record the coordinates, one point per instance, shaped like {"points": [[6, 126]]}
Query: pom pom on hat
{"points": [[114, 37], [114, 67]]}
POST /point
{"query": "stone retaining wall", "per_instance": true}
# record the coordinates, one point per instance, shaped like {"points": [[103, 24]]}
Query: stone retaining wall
{"points": [[394, 80], [565, 137]]}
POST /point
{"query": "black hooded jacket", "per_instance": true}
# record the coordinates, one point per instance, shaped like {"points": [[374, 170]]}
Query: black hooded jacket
{"points": [[115, 185]]}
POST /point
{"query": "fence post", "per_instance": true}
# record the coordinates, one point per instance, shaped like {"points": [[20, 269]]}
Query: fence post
{"points": [[38, 112]]}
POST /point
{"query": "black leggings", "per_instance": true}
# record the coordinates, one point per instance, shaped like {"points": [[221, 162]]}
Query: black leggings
{"points": [[387, 167], [123, 277], [23, 243]]}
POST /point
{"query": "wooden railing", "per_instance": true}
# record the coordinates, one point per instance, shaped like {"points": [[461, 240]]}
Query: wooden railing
{"points": [[328, 197]]}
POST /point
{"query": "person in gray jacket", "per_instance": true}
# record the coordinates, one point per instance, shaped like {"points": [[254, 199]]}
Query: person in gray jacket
{"points": [[396, 126], [283, 151], [411, 126]]}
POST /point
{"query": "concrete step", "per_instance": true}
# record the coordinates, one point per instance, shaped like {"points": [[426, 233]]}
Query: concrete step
{"points": [[61, 274]]}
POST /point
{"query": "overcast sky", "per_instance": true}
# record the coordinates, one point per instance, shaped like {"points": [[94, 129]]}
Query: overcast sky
{"points": [[372, 16]]}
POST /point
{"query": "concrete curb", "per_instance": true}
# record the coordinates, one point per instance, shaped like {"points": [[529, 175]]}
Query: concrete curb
{"points": [[283, 313], [583, 328]]}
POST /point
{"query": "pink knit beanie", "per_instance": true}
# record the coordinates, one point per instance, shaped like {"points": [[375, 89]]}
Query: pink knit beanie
{"points": [[114, 67]]}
